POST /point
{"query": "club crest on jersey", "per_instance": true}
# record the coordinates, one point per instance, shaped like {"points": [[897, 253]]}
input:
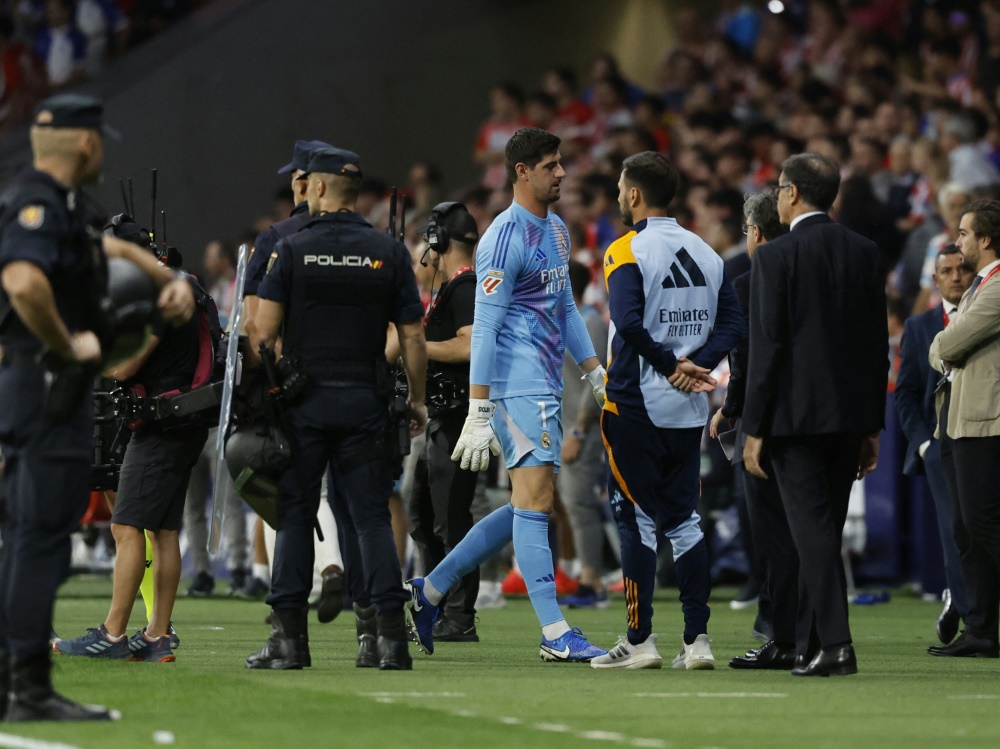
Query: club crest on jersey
{"points": [[31, 216], [546, 440], [490, 285]]}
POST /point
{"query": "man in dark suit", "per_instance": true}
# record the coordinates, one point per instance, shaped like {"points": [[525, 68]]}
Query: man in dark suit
{"points": [[968, 353], [772, 540], [816, 384], [916, 384]]}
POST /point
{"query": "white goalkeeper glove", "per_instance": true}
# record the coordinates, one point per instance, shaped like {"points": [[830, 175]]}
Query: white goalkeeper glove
{"points": [[477, 440], [596, 379]]}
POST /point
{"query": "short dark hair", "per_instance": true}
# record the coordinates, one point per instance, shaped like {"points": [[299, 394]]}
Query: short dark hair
{"points": [[948, 249], [654, 176], [579, 278], [528, 146], [817, 178], [760, 209], [985, 220]]}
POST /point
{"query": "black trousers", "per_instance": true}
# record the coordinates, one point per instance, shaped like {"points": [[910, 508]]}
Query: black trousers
{"points": [[814, 475], [440, 510], [776, 554], [979, 570], [973, 461], [46, 487], [341, 428]]}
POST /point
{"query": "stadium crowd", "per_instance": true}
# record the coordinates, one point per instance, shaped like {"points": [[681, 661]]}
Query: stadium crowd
{"points": [[51, 45]]}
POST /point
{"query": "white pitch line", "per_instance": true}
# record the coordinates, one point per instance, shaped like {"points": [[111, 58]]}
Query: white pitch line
{"points": [[412, 694], [974, 696], [751, 695], [9, 741], [510, 720], [650, 743], [552, 727], [602, 735]]}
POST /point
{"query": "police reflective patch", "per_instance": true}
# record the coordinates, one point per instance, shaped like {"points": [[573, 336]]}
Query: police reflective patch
{"points": [[270, 262], [31, 216], [546, 440], [490, 285]]}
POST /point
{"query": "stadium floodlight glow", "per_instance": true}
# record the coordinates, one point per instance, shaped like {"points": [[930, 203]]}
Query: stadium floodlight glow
{"points": [[776, 6]]}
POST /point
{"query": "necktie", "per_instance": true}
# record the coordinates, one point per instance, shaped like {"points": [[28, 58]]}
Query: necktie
{"points": [[972, 290]]}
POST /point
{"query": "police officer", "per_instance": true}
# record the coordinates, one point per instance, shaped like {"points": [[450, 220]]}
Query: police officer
{"points": [[52, 275], [327, 551], [330, 291], [151, 490], [441, 500]]}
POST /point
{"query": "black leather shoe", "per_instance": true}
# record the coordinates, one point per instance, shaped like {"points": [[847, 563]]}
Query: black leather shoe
{"points": [[947, 623], [287, 648], [768, 657], [445, 630], [967, 646], [836, 662], [331, 597], [393, 655], [367, 628], [32, 697]]}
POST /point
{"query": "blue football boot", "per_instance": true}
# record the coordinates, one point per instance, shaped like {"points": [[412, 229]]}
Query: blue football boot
{"points": [[420, 615]]}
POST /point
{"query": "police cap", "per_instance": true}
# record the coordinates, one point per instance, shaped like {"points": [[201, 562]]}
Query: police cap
{"points": [[300, 155], [73, 111], [335, 161]]}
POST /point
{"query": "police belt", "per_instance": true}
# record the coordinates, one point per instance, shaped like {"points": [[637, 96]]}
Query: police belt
{"points": [[344, 374]]}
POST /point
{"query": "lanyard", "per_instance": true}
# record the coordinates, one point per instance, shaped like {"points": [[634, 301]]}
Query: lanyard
{"points": [[437, 297]]}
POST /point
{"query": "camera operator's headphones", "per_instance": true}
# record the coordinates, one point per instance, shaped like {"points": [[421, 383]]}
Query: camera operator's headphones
{"points": [[438, 236]]}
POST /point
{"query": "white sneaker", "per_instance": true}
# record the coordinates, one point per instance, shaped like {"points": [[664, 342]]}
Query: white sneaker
{"points": [[490, 596], [626, 655], [697, 655]]}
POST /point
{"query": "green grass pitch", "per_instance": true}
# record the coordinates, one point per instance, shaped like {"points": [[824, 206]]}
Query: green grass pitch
{"points": [[498, 693]]}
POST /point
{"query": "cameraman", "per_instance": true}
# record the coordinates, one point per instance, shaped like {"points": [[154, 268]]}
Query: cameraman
{"points": [[439, 505], [151, 491]]}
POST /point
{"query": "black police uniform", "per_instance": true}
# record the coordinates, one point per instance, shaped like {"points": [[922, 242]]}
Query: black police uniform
{"points": [[158, 462], [341, 282], [440, 506], [47, 468], [267, 240]]}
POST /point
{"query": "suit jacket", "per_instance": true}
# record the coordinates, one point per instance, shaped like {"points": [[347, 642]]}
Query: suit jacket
{"points": [[739, 357], [972, 345], [738, 360], [819, 342], [915, 384]]}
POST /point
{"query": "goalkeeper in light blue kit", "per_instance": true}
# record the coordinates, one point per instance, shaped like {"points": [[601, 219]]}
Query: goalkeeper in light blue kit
{"points": [[525, 320]]}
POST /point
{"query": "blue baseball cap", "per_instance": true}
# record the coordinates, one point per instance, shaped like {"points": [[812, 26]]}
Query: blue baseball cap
{"points": [[300, 155]]}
